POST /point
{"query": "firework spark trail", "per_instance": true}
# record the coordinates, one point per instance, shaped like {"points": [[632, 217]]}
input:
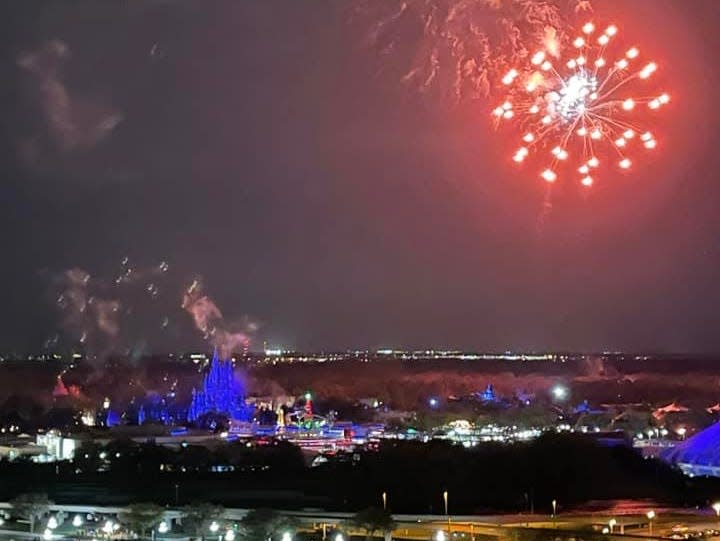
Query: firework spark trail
{"points": [[228, 337], [582, 108], [456, 48]]}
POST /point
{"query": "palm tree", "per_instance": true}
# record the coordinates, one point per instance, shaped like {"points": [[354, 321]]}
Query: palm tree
{"points": [[139, 517], [266, 524], [32, 506], [373, 520], [201, 514]]}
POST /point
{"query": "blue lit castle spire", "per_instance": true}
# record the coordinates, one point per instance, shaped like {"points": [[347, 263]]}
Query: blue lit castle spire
{"points": [[220, 393]]}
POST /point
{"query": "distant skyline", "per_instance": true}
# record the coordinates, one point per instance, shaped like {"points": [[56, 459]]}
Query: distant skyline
{"points": [[326, 206]]}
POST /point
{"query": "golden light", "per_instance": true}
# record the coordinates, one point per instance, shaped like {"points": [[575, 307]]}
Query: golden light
{"points": [[549, 175], [538, 58]]}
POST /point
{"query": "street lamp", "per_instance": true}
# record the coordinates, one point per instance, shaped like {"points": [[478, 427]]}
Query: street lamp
{"points": [[384, 500], [47, 534], [52, 523], [339, 537], [716, 508], [445, 499], [230, 535], [108, 527], [77, 521], [650, 515], [554, 506], [163, 527], [214, 527]]}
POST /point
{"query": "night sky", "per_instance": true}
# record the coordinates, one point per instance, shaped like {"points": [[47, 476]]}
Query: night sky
{"points": [[256, 144]]}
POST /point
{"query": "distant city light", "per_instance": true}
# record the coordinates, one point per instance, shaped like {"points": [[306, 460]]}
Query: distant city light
{"points": [[559, 392], [433, 402]]}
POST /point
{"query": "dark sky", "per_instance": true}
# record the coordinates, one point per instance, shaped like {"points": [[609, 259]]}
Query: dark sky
{"points": [[251, 143]]}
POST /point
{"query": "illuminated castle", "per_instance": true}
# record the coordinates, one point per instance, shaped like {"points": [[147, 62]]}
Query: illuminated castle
{"points": [[220, 393]]}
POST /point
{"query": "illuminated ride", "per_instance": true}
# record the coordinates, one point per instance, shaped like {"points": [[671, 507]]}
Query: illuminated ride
{"points": [[584, 109]]}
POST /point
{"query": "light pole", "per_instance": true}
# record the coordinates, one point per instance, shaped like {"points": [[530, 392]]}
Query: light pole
{"points": [[716, 508], [650, 516], [554, 507], [445, 499], [384, 500]]}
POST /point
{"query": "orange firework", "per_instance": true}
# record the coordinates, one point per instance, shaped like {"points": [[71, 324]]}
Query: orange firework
{"points": [[581, 111]]}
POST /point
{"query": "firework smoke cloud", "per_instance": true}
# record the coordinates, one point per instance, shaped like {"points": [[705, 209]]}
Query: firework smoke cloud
{"points": [[228, 337], [70, 122], [457, 48]]}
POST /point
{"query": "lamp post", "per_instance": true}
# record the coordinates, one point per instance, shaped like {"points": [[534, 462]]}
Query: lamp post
{"points": [[716, 508], [650, 516], [384, 500], [445, 500]]}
